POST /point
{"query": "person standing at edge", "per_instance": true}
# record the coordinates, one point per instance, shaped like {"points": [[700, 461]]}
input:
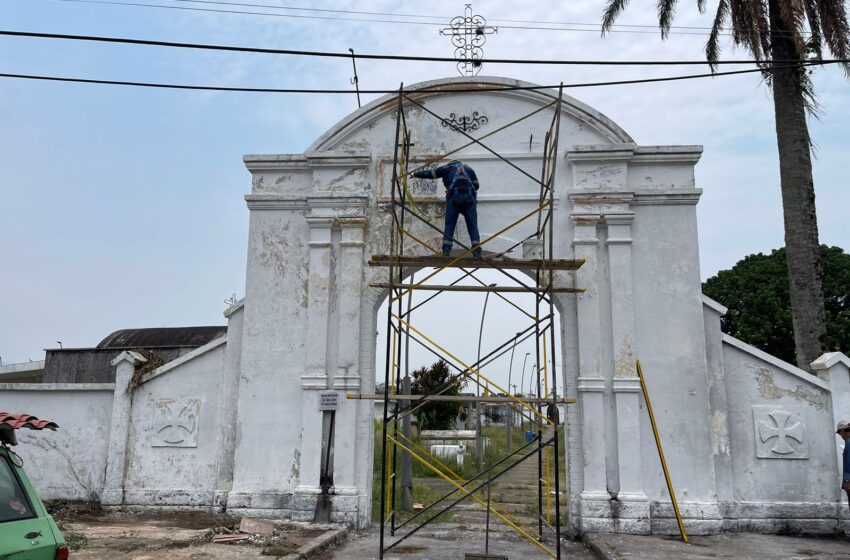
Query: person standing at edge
{"points": [[461, 186], [843, 430]]}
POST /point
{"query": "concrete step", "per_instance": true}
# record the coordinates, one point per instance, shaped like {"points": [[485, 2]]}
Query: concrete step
{"points": [[513, 508], [528, 496], [480, 517]]}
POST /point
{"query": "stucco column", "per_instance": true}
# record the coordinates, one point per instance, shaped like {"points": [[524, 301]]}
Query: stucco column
{"points": [[347, 378], [834, 367], [122, 402], [591, 383], [626, 384], [315, 376], [229, 406]]}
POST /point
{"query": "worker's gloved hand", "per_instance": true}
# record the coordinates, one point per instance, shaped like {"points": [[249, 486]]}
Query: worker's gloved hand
{"points": [[423, 174]]}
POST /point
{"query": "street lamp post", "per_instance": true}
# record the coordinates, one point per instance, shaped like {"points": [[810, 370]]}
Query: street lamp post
{"points": [[479, 443], [510, 405]]}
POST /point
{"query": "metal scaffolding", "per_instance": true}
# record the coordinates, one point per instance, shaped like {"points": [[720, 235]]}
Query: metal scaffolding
{"points": [[542, 267]]}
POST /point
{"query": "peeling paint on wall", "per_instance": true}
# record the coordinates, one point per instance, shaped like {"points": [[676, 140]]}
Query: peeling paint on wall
{"points": [[275, 246], [719, 433], [769, 390]]}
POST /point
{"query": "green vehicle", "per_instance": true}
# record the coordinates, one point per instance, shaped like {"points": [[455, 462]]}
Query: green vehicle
{"points": [[27, 532]]}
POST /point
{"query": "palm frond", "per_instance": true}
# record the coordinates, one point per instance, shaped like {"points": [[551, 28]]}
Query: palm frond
{"points": [[836, 31], [749, 26], [712, 46], [762, 25], [793, 15], [701, 6], [666, 11], [612, 9], [815, 44]]}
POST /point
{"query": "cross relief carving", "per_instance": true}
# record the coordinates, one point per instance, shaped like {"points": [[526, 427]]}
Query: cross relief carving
{"points": [[176, 423], [780, 433]]}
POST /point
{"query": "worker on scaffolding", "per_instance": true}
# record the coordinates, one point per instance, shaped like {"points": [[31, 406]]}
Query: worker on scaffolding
{"points": [[461, 186]]}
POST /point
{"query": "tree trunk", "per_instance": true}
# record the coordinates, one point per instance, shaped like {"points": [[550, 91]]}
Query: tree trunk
{"points": [[798, 199]]}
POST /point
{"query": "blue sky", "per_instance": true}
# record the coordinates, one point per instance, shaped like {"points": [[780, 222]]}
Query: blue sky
{"points": [[122, 207]]}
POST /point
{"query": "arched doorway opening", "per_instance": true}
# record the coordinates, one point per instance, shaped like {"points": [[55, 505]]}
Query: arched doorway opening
{"points": [[451, 333]]}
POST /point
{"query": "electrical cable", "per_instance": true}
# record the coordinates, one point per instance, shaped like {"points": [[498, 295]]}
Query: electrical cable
{"points": [[386, 91], [347, 55], [537, 25]]}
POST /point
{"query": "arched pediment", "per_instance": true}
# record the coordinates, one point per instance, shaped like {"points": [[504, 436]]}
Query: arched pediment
{"points": [[371, 128]]}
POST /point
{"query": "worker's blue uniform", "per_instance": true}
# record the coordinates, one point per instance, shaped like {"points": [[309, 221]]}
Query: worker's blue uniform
{"points": [[846, 475], [461, 185]]}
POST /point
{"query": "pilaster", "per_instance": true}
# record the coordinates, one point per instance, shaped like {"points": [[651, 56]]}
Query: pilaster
{"points": [[347, 378], [626, 384], [315, 375], [122, 402], [591, 382]]}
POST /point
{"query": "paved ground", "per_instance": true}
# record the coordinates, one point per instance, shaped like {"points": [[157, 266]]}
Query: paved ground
{"points": [[447, 544], [745, 546]]}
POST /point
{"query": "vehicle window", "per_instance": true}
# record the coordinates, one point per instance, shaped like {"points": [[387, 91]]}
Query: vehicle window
{"points": [[14, 504]]}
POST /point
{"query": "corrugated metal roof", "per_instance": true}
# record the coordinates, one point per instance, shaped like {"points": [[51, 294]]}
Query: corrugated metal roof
{"points": [[18, 420], [160, 337]]}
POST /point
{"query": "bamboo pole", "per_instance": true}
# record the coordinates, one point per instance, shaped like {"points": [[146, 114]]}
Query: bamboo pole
{"points": [[661, 452]]}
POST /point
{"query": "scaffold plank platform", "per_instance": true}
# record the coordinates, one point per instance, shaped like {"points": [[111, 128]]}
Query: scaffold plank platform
{"points": [[457, 398], [438, 261], [450, 288]]}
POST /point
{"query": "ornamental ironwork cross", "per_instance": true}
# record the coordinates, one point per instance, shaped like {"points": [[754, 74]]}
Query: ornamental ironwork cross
{"points": [[469, 33]]}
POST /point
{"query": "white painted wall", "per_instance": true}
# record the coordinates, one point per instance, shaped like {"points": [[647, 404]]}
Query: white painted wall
{"points": [[69, 463], [163, 468]]}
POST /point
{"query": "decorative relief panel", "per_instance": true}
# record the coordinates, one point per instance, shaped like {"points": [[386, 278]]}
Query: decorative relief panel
{"points": [[175, 423], [780, 433]]}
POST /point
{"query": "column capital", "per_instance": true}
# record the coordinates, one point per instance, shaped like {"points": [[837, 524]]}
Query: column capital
{"points": [[321, 222], [585, 219], [353, 231], [591, 384], [619, 218], [627, 384]]}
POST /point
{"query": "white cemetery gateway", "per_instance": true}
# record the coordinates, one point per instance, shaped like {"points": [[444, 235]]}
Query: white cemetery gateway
{"points": [[237, 424]]}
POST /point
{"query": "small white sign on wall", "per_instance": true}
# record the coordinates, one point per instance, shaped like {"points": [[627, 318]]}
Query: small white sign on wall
{"points": [[328, 400], [175, 423]]}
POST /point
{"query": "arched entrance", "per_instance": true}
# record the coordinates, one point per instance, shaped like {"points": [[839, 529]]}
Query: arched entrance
{"points": [[317, 219]]}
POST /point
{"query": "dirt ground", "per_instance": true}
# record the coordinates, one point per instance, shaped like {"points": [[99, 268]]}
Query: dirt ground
{"points": [[94, 534]]}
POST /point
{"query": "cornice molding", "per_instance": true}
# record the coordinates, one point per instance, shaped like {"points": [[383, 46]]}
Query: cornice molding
{"points": [[305, 161], [669, 197], [274, 202]]}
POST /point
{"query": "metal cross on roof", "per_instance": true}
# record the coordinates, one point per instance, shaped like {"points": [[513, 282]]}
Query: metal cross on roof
{"points": [[469, 33]]}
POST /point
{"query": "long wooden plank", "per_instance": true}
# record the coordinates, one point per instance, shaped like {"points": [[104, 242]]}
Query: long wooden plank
{"points": [[454, 398], [456, 288], [438, 261]]}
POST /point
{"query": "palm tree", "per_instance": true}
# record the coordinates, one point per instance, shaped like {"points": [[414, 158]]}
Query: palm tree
{"points": [[777, 30]]}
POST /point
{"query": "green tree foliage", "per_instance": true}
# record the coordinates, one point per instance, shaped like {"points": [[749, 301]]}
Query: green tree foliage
{"points": [[427, 380], [756, 292]]}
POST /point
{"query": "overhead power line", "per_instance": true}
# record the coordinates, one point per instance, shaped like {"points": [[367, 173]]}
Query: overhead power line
{"points": [[347, 55], [385, 91], [534, 25]]}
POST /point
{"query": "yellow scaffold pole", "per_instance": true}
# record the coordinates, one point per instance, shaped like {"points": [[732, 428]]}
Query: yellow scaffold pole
{"points": [[661, 453]]}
